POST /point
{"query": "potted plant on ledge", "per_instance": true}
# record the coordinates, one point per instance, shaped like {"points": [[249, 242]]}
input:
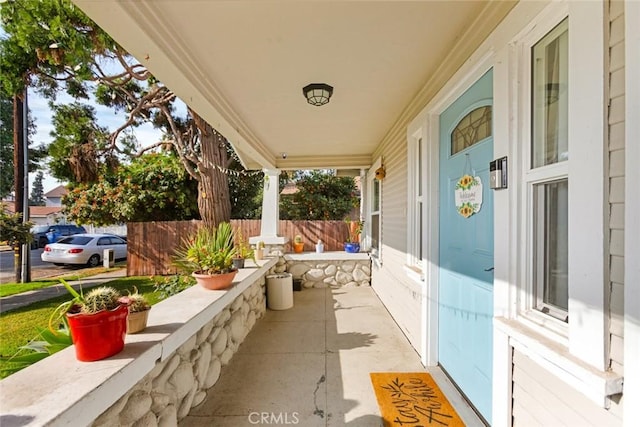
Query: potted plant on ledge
{"points": [[139, 309], [208, 255], [243, 250], [298, 244], [97, 321], [352, 244]]}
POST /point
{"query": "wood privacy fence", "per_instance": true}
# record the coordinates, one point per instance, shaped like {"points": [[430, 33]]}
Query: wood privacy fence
{"points": [[151, 245]]}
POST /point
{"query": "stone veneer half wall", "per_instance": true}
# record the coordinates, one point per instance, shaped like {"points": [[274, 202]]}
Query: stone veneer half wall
{"points": [[173, 387], [159, 376], [167, 369], [328, 269]]}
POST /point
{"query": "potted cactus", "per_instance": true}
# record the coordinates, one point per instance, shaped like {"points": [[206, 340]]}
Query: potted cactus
{"points": [[97, 321], [139, 309]]}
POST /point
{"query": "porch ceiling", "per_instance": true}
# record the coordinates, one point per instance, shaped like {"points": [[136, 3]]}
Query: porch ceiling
{"points": [[242, 65]]}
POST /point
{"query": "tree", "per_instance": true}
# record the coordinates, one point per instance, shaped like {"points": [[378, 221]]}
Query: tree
{"points": [[154, 187], [56, 42], [6, 146], [77, 150], [36, 153], [37, 191], [321, 196], [13, 230], [245, 190]]}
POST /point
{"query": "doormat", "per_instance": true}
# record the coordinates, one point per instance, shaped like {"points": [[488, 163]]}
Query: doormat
{"points": [[412, 399]]}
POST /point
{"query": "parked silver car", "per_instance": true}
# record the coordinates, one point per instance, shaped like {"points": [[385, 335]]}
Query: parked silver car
{"points": [[84, 249]]}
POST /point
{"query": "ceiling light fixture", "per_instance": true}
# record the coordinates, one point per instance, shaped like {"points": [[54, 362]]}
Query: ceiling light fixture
{"points": [[317, 93]]}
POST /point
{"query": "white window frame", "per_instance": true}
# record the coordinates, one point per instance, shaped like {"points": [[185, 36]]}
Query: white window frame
{"points": [[530, 302], [376, 253], [585, 335], [417, 195]]}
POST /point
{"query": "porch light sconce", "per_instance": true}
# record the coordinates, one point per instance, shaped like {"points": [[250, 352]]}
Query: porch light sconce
{"points": [[317, 93], [380, 173]]}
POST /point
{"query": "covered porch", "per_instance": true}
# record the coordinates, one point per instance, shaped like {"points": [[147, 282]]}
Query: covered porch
{"points": [[405, 76], [310, 366], [222, 358]]}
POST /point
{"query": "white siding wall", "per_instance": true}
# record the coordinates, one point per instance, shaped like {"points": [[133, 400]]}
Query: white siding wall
{"points": [[541, 399], [616, 180], [401, 295]]}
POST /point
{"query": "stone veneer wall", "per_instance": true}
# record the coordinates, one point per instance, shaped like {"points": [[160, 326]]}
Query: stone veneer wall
{"points": [[323, 273], [176, 385]]}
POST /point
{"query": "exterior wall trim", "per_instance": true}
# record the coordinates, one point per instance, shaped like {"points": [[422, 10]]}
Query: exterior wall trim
{"points": [[595, 384], [632, 207], [586, 294], [426, 125]]}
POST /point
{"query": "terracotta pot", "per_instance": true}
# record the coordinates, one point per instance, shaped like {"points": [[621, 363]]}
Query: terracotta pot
{"points": [[100, 335], [298, 247], [215, 281], [137, 321]]}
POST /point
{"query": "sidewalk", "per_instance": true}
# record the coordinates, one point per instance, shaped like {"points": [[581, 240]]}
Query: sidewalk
{"points": [[13, 302]]}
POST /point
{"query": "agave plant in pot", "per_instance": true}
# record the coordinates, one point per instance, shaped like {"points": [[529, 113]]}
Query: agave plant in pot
{"points": [[97, 321], [208, 254]]}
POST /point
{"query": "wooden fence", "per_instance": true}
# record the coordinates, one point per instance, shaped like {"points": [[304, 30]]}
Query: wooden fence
{"points": [[151, 245]]}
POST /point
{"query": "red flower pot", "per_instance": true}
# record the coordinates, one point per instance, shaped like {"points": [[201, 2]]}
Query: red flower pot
{"points": [[215, 281], [100, 335]]}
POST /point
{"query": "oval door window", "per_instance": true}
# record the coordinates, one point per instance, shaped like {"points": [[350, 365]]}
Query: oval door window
{"points": [[471, 129]]}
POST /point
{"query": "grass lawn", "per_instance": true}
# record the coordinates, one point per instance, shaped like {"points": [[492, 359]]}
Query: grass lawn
{"points": [[13, 288], [20, 326]]}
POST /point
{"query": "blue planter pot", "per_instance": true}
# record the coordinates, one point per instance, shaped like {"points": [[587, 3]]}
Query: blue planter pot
{"points": [[352, 248]]}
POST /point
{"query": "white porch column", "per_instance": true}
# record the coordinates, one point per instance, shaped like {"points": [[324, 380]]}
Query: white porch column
{"points": [[270, 203], [363, 198], [270, 225]]}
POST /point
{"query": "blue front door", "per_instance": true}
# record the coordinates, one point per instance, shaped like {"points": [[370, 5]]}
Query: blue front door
{"points": [[465, 306]]}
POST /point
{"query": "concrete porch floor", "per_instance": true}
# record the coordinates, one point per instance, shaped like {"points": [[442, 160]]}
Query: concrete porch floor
{"points": [[310, 366]]}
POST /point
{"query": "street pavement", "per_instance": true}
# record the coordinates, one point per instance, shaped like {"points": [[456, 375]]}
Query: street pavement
{"points": [[39, 268], [13, 302]]}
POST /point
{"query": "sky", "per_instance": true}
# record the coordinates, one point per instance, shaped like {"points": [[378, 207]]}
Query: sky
{"points": [[42, 114]]}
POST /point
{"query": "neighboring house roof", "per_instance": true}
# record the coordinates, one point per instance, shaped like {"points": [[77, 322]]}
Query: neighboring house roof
{"points": [[59, 191], [289, 188], [36, 211]]}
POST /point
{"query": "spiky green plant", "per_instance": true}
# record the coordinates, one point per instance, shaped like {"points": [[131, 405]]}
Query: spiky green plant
{"points": [[101, 298], [209, 251]]}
